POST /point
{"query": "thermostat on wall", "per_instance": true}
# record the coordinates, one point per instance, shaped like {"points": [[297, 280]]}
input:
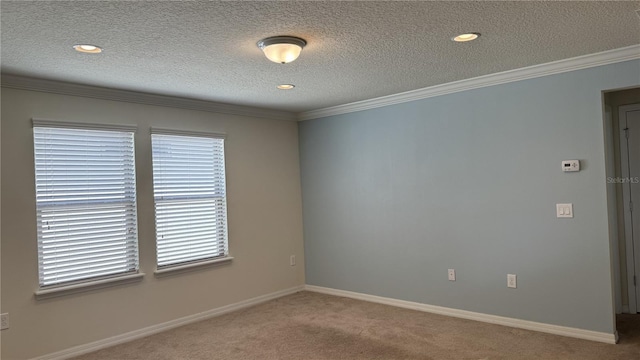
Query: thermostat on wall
{"points": [[571, 165]]}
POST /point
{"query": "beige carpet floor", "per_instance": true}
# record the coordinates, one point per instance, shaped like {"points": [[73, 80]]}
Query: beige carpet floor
{"points": [[317, 327]]}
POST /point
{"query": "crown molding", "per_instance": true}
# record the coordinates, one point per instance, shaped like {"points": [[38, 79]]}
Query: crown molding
{"points": [[65, 88], [530, 72]]}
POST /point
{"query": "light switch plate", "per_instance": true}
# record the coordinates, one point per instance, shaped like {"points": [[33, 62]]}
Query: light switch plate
{"points": [[564, 210]]}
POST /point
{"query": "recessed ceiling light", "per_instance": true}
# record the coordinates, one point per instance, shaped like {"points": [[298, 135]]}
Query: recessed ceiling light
{"points": [[466, 37], [286, 86], [89, 49]]}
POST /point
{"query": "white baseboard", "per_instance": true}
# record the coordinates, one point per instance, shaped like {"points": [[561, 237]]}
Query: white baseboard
{"points": [[470, 315], [493, 319], [625, 309], [140, 333]]}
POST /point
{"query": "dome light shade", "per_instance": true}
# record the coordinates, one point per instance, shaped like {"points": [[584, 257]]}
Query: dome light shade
{"points": [[282, 49], [88, 49], [466, 37]]}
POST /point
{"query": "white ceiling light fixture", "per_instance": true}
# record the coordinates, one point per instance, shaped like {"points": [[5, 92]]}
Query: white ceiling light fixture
{"points": [[285, 86], [88, 49], [282, 49], [466, 37]]}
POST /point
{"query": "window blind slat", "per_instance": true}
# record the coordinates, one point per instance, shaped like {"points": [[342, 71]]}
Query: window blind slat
{"points": [[72, 264], [82, 250], [168, 233], [188, 258], [190, 198], [85, 274], [194, 248], [84, 227], [194, 241], [86, 204], [194, 220]]}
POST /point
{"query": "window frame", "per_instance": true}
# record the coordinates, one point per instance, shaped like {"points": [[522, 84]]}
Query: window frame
{"points": [[99, 281], [207, 261]]}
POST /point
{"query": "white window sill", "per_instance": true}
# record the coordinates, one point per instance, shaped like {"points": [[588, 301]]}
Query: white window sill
{"points": [[186, 267], [87, 286]]}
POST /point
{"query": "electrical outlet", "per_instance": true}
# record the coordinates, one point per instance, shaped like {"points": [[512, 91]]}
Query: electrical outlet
{"points": [[452, 275], [4, 321], [292, 260], [511, 281]]}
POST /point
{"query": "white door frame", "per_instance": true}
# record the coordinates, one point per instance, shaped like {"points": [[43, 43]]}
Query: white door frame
{"points": [[626, 195], [612, 209]]}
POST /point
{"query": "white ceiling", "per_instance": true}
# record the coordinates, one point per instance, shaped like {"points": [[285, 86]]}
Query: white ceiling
{"points": [[356, 50]]}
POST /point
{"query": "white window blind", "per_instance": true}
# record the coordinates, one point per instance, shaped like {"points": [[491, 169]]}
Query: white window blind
{"points": [[85, 203], [190, 198]]}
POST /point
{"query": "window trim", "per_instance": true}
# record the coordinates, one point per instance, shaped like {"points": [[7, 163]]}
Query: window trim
{"points": [[164, 131], [192, 266], [55, 291], [38, 122]]}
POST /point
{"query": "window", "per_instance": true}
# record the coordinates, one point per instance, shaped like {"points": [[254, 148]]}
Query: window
{"points": [[190, 198], [85, 203]]}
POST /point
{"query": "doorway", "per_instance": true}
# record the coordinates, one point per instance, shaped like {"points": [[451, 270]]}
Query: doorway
{"points": [[622, 120], [629, 125]]}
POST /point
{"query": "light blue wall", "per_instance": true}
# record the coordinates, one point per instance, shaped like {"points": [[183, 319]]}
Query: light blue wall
{"points": [[394, 196]]}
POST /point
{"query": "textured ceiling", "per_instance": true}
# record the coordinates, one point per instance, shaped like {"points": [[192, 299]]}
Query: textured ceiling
{"points": [[356, 50]]}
